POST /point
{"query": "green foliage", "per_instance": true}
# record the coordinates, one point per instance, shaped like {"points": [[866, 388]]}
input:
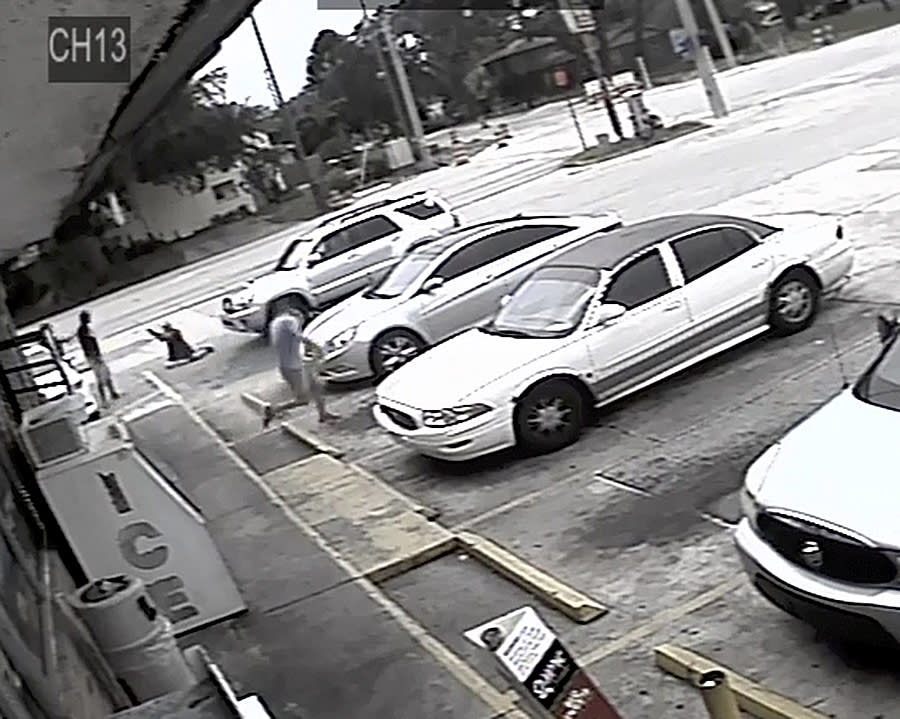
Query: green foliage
{"points": [[196, 130]]}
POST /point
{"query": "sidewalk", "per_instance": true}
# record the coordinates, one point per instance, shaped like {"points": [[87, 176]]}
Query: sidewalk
{"points": [[316, 642]]}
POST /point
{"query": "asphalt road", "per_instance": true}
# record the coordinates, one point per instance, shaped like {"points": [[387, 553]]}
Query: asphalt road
{"points": [[793, 113]]}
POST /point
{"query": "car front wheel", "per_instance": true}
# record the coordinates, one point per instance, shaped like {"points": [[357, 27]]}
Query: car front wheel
{"points": [[549, 417], [794, 302], [394, 349]]}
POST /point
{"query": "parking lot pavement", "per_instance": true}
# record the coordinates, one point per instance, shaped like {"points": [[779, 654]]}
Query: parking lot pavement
{"points": [[637, 514]]}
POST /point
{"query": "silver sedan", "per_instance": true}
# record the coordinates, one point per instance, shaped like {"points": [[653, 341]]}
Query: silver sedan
{"points": [[441, 289]]}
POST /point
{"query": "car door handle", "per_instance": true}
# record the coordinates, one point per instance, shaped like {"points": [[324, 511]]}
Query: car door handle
{"points": [[353, 257], [672, 308], [759, 263]]}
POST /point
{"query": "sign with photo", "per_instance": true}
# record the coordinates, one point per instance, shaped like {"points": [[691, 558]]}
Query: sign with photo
{"points": [[540, 666]]}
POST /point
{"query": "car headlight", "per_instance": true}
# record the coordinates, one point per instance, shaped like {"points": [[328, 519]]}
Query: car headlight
{"points": [[453, 415], [340, 340]]}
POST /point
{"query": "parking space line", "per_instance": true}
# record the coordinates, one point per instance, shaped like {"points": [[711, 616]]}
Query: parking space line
{"points": [[517, 502], [622, 485], [501, 703], [662, 620], [718, 521]]}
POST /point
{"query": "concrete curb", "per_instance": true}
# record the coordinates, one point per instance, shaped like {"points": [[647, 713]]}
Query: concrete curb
{"points": [[255, 403], [392, 570], [751, 697], [313, 440], [576, 606], [548, 589]]}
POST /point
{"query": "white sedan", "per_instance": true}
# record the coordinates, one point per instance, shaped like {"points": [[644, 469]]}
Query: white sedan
{"points": [[605, 320], [820, 537]]}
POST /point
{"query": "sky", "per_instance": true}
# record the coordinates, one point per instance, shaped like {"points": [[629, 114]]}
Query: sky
{"points": [[288, 28]]}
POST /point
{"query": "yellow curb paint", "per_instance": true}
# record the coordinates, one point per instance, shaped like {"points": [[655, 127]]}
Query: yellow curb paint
{"points": [[253, 402], [576, 606], [312, 439], [751, 697]]}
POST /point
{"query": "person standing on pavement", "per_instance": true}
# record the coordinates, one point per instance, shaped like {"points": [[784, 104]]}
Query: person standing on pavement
{"points": [[299, 363], [91, 349]]}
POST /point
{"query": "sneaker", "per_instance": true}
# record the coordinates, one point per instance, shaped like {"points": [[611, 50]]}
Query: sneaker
{"points": [[268, 416]]}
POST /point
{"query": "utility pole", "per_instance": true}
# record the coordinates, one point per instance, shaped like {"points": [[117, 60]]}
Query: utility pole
{"points": [[415, 123], [721, 36], [386, 75], [702, 59], [290, 125], [581, 22]]}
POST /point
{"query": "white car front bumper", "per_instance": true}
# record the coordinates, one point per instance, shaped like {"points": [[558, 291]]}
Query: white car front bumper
{"points": [[483, 435], [865, 614]]}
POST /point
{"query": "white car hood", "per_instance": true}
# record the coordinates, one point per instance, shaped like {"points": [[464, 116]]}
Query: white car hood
{"points": [[450, 373], [350, 313], [839, 466], [265, 287]]}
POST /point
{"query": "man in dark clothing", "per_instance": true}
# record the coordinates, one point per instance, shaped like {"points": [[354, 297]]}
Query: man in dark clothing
{"points": [[91, 349], [178, 347]]}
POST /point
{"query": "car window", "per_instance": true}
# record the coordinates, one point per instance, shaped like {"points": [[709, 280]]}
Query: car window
{"points": [[493, 247], [333, 244], [369, 230], [422, 210], [640, 281], [705, 251]]}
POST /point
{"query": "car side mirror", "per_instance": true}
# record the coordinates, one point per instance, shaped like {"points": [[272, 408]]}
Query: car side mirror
{"points": [[505, 300], [606, 313], [432, 285], [313, 259], [887, 327]]}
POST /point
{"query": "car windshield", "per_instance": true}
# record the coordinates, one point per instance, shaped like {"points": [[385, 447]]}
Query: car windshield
{"points": [[880, 385], [395, 283], [293, 253], [550, 303]]}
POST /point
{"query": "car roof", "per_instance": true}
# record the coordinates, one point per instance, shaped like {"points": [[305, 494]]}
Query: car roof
{"points": [[462, 235], [608, 249], [353, 212]]}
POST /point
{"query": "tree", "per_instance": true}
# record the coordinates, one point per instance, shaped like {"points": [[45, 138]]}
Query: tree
{"points": [[196, 130]]}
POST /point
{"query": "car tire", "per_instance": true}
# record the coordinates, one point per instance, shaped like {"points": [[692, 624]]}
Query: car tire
{"points": [[794, 302], [392, 350], [283, 304], [549, 417]]}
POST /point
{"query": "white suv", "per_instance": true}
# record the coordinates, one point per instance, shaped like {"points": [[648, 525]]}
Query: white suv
{"points": [[337, 258]]}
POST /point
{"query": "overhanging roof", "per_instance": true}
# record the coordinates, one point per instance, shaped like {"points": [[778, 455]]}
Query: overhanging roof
{"points": [[56, 141]]}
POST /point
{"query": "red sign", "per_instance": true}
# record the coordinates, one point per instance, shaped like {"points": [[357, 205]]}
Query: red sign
{"points": [[561, 78], [580, 699]]}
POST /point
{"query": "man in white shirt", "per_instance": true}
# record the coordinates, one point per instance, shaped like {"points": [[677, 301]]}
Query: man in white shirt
{"points": [[299, 364]]}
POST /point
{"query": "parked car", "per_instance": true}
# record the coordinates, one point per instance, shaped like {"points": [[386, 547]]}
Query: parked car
{"points": [[337, 258], [440, 289], [49, 378], [819, 538], [606, 319]]}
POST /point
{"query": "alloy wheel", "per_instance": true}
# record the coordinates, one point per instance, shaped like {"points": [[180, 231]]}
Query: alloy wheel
{"points": [[395, 351], [549, 416], [794, 302]]}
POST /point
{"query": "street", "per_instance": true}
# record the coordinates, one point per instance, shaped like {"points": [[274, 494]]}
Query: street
{"points": [[638, 514]]}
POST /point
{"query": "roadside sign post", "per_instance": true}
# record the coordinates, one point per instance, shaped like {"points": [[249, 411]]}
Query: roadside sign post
{"points": [[690, 42], [561, 78], [579, 19], [540, 668]]}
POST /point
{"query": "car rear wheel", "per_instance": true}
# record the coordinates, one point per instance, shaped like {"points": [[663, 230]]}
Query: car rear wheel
{"points": [[284, 304], [794, 302], [549, 417], [394, 349]]}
